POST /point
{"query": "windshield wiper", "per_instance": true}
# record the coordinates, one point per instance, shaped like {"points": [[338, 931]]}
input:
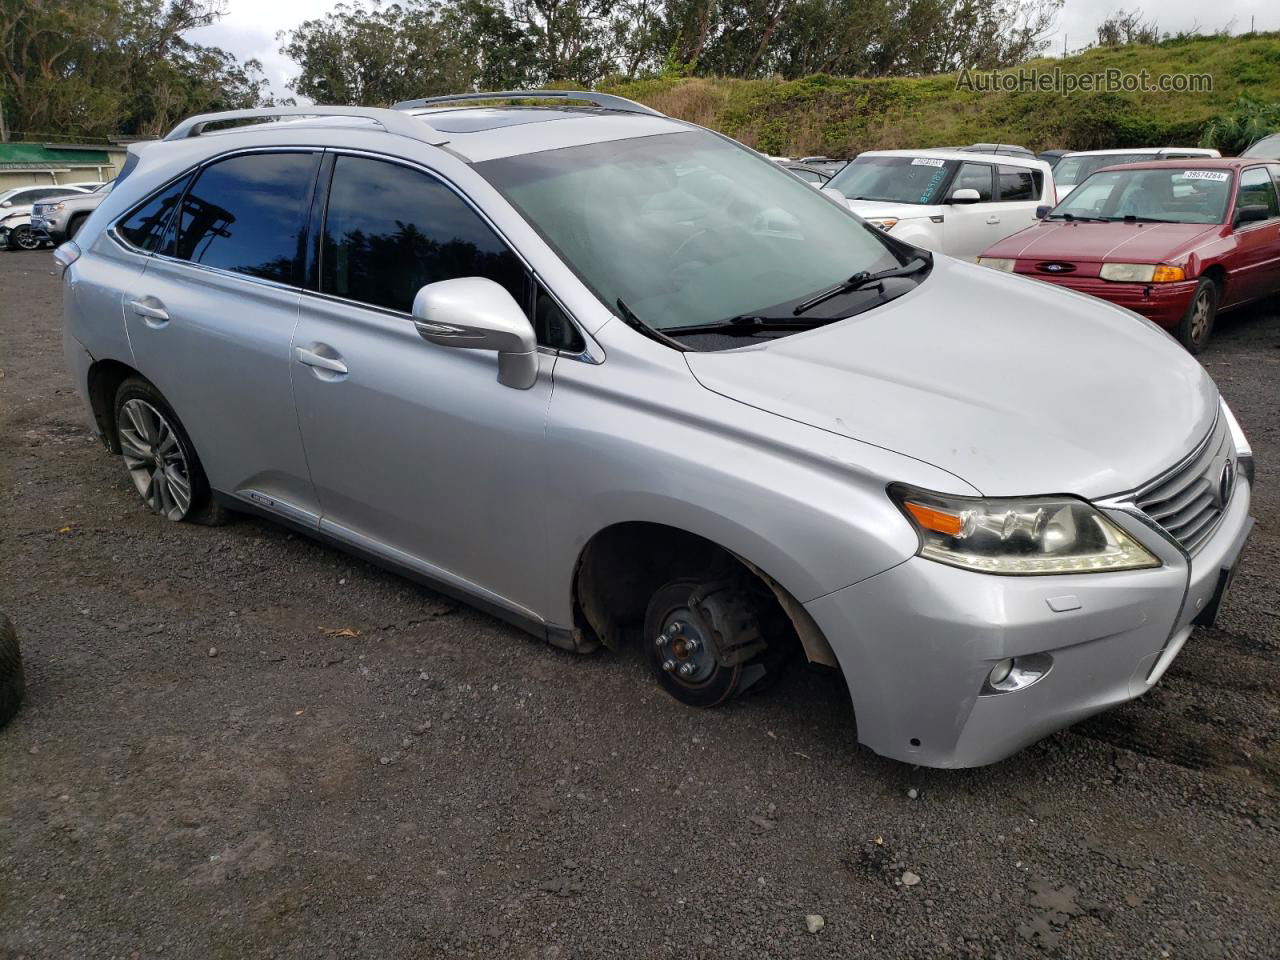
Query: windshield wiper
{"points": [[1071, 217], [1134, 218], [861, 280]]}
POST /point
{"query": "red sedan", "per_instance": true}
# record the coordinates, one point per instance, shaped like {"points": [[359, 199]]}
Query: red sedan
{"points": [[1173, 240]]}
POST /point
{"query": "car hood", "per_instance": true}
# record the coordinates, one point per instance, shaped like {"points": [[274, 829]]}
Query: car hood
{"points": [[879, 209], [1100, 242], [1015, 386]]}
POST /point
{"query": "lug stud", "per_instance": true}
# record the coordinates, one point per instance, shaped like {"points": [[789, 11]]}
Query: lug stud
{"points": [[668, 665], [686, 669]]}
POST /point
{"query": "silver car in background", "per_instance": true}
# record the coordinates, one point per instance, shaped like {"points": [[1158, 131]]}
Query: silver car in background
{"points": [[618, 379]]}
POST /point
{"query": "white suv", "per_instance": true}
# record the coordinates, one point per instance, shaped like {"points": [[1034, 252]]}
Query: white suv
{"points": [[945, 200]]}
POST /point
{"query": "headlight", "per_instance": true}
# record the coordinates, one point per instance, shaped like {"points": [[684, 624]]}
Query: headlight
{"points": [[1142, 272], [57, 206], [998, 263], [884, 223], [1019, 536]]}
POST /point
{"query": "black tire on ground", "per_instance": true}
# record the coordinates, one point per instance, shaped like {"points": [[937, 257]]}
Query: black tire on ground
{"points": [[718, 630], [12, 682], [1196, 325], [73, 227], [203, 508]]}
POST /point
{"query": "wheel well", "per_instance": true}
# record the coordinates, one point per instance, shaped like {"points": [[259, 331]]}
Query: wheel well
{"points": [[105, 377], [1218, 276], [622, 566]]}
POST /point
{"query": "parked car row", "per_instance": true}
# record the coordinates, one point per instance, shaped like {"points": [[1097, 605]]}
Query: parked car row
{"points": [[16, 229], [1174, 234]]}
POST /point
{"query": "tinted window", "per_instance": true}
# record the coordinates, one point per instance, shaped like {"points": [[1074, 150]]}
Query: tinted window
{"points": [[391, 230], [1018, 183], [248, 214], [973, 176], [145, 226], [1257, 189]]}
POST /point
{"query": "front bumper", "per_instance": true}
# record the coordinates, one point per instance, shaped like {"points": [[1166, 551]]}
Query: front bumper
{"points": [[1162, 303], [49, 228], [917, 642]]}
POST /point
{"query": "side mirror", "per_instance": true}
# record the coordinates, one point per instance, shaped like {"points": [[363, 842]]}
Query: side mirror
{"points": [[835, 194], [1252, 213], [1042, 211], [473, 313], [965, 195], [7, 203]]}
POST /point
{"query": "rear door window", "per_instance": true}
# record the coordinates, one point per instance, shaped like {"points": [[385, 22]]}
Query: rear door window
{"points": [[974, 176], [247, 214], [145, 225], [1019, 183]]}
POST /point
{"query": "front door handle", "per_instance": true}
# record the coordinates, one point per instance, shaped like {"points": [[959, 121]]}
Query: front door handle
{"points": [[151, 310], [993, 219], [319, 361]]}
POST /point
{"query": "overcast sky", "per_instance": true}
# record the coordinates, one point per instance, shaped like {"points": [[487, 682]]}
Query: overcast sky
{"points": [[250, 26]]}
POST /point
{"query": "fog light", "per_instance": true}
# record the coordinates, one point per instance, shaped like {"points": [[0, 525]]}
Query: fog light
{"points": [[1017, 673], [1000, 672]]}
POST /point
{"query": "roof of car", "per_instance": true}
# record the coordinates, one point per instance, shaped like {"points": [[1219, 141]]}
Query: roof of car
{"points": [[943, 154], [1201, 151], [476, 133], [1200, 163]]}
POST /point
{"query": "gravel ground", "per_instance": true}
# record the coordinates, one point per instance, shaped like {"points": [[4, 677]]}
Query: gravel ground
{"points": [[240, 743]]}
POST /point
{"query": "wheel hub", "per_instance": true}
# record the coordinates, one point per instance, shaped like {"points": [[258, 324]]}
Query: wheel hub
{"points": [[683, 650]]}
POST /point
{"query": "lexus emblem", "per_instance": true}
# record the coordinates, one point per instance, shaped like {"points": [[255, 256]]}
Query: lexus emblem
{"points": [[1053, 267], [1226, 483]]}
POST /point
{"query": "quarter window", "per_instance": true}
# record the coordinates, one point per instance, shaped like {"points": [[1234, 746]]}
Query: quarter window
{"points": [[391, 230], [1256, 189], [145, 226], [974, 176], [1019, 183], [248, 214]]}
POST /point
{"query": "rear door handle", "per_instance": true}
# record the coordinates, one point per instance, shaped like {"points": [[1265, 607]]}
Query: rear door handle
{"points": [[149, 308], [313, 359], [993, 219]]}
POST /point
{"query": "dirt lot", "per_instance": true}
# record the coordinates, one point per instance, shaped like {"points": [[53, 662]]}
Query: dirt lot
{"points": [[239, 743]]}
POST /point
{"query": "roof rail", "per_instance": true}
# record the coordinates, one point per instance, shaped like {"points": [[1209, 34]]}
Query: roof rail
{"points": [[391, 121], [606, 101]]}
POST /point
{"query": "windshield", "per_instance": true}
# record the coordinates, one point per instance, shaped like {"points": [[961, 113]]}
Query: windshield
{"points": [[685, 228], [1268, 148], [894, 179], [1173, 196], [1072, 170]]}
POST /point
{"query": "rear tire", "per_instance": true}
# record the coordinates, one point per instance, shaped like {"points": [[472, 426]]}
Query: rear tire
{"points": [[12, 681], [1196, 325], [160, 457]]}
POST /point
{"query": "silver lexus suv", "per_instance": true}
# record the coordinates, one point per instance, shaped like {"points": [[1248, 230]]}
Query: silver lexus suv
{"points": [[618, 379]]}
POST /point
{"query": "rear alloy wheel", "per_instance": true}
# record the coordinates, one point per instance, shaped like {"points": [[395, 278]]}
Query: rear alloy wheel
{"points": [[155, 458], [160, 459], [1197, 322], [705, 640], [21, 238]]}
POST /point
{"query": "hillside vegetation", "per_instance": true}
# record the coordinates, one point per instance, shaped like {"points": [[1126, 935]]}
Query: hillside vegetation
{"points": [[839, 116]]}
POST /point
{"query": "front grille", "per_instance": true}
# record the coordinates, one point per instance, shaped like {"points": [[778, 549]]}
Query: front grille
{"points": [[1189, 500]]}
